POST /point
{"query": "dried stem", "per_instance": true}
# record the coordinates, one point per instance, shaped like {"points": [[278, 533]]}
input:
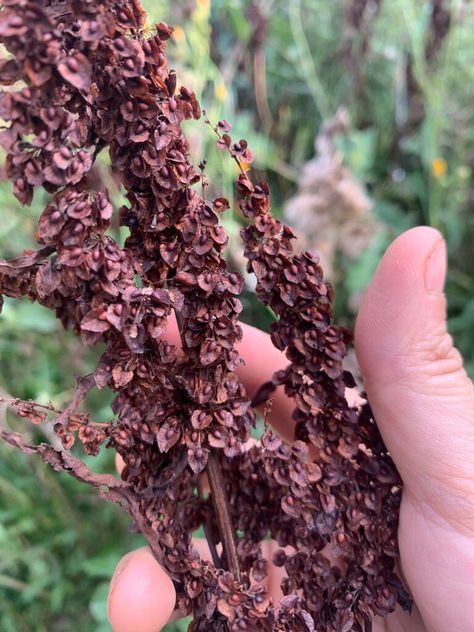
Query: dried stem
{"points": [[221, 507], [220, 503], [212, 547]]}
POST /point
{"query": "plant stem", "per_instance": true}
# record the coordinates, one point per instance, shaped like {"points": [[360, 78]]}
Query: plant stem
{"points": [[212, 547], [219, 500], [221, 507]]}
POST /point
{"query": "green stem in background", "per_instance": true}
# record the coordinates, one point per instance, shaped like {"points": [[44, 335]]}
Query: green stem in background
{"points": [[309, 71], [434, 88], [13, 584]]}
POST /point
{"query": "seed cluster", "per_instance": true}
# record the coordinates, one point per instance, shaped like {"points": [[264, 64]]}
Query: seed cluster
{"points": [[83, 76]]}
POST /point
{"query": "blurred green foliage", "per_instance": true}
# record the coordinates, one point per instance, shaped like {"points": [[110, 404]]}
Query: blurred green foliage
{"points": [[276, 69]]}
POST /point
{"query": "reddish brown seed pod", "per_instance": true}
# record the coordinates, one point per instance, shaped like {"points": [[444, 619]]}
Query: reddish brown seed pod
{"points": [[181, 412]]}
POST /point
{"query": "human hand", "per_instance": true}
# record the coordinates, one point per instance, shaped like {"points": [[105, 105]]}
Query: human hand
{"points": [[424, 405]]}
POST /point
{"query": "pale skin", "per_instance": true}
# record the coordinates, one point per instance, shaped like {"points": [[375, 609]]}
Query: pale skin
{"points": [[423, 402]]}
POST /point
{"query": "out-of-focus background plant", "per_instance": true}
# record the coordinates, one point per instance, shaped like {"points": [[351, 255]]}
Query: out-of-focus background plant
{"points": [[360, 116]]}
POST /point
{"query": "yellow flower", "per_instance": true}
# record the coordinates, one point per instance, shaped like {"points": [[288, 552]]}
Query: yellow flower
{"points": [[179, 35], [221, 92], [439, 167], [204, 4]]}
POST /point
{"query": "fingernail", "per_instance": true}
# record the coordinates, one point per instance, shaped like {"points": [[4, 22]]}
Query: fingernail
{"points": [[435, 269]]}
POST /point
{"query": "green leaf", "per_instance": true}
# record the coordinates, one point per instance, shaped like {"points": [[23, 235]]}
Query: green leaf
{"points": [[359, 149], [29, 317], [178, 626], [98, 603], [101, 566]]}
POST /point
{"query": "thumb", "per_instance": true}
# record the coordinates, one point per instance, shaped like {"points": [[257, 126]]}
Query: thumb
{"points": [[420, 394], [142, 597]]}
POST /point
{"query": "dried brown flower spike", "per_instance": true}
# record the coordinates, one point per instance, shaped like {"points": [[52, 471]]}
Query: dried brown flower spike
{"points": [[84, 76]]}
